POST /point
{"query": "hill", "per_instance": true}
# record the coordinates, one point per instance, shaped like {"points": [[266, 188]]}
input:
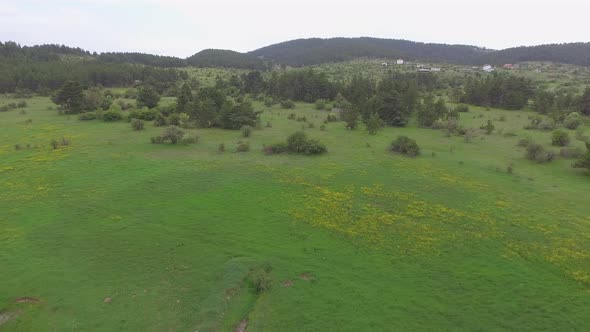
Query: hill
{"points": [[226, 59], [313, 51]]}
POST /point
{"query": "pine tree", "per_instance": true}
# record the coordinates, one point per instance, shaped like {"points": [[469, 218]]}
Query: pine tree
{"points": [[184, 97], [70, 98]]}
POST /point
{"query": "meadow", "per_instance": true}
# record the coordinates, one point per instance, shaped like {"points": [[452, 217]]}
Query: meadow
{"points": [[112, 233]]}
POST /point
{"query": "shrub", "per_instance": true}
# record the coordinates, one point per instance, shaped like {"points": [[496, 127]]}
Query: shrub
{"points": [[296, 142], [488, 127], [183, 120], [54, 144], [302, 119], [111, 116], [144, 114], [21, 104], [291, 116], [190, 140], [314, 147], [269, 101], [173, 134], [137, 124], [524, 142], [262, 281], [221, 148], [246, 131], [276, 148], [547, 124], [157, 140], [560, 138], [584, 161], [323, 127], [268, 125], [571, 152], [320, 104], [287, 103], [243, 147], [462, 108], [572, 120], [160, 120], [406, 146], [87, 116], [332, 117], [536, 152], [174, 119], [18, 147]]}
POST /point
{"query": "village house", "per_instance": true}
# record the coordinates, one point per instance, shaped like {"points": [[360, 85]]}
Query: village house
{"points": [[399, 62], [488, 68]]}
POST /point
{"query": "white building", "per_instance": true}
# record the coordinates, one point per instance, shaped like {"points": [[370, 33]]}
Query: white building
{"points": [[435, 69], [399, 62], [488, 68], [384, 64]]}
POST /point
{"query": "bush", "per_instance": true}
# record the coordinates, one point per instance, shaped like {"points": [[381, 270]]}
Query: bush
{"points": [[111, 116], [268, 125], [157, 139], [571, 152], [320, 104], [190, 140], [160, 120], [406, 146], [572, 120], [291, 116], [560, 138], [54, 144], [243, 147], [331, 117], [297, 143], [137, 124], [314, 147], [173, 134], [323, 127], [269, 101], [524, 142], [276, 148], [287, 103], [221, 148], [21, 104], [262, 281], [488, 127], [87, 116], [462, 108], [536, 152], [246, 131], [547, 124], [144, 114], [174, 119]]}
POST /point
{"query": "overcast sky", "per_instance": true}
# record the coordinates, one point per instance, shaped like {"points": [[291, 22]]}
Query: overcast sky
{"points": [[182, 27]]}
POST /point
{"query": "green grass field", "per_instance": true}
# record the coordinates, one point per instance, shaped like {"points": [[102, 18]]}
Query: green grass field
{"points": [[357, 239]]}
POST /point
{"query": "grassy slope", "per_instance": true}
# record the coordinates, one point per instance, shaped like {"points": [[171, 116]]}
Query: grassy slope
{"points": [[449, 241]]}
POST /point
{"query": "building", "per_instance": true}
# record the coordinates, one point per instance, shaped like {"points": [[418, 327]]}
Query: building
{"points": [[384, 64], [399, 62], [435, 69], [488, 68], [508, 66]]}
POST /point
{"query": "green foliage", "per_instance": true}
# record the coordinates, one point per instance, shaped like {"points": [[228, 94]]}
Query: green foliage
{"points": [[87, 116], [560, 138], [183, 120], [111, 116], [137, 124], [246, 131], [488, 127], [238, 115], [405, 146], [320, 104], [374, 123], [498, 90], [430, 111], [243, 147], [461, 108], [297, 143], [70, 98], [145, 114], [287, 104], [536, 152], [584, 161], [173, 134], [148, 97], [160, 120], [184, 97], [572, 120]]}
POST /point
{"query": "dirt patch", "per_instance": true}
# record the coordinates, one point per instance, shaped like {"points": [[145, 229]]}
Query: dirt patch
{"points": [[5, 316], [307, 276], [108, 300], [27, 299], [287, 283], [242, 326]]}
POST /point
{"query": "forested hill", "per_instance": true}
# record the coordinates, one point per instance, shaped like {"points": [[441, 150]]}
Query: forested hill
{"points": [[302, 52], [313, 51], [572, 53], [143, 59], [225, 58]]}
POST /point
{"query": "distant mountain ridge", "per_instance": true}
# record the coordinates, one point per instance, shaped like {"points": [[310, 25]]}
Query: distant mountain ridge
{"points": [[313, 51]]}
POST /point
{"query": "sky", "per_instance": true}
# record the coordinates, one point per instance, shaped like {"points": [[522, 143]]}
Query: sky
{"points": [[182, 28]]}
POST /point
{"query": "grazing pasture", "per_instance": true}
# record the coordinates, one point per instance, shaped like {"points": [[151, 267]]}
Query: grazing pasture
{"points": [[107, 232]]}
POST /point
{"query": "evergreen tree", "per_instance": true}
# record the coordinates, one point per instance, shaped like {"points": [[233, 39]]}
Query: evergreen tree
{"points": [[373, 123], [148, 97], [70, 97], [585, 102], [185, 96], [584, 161]]}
